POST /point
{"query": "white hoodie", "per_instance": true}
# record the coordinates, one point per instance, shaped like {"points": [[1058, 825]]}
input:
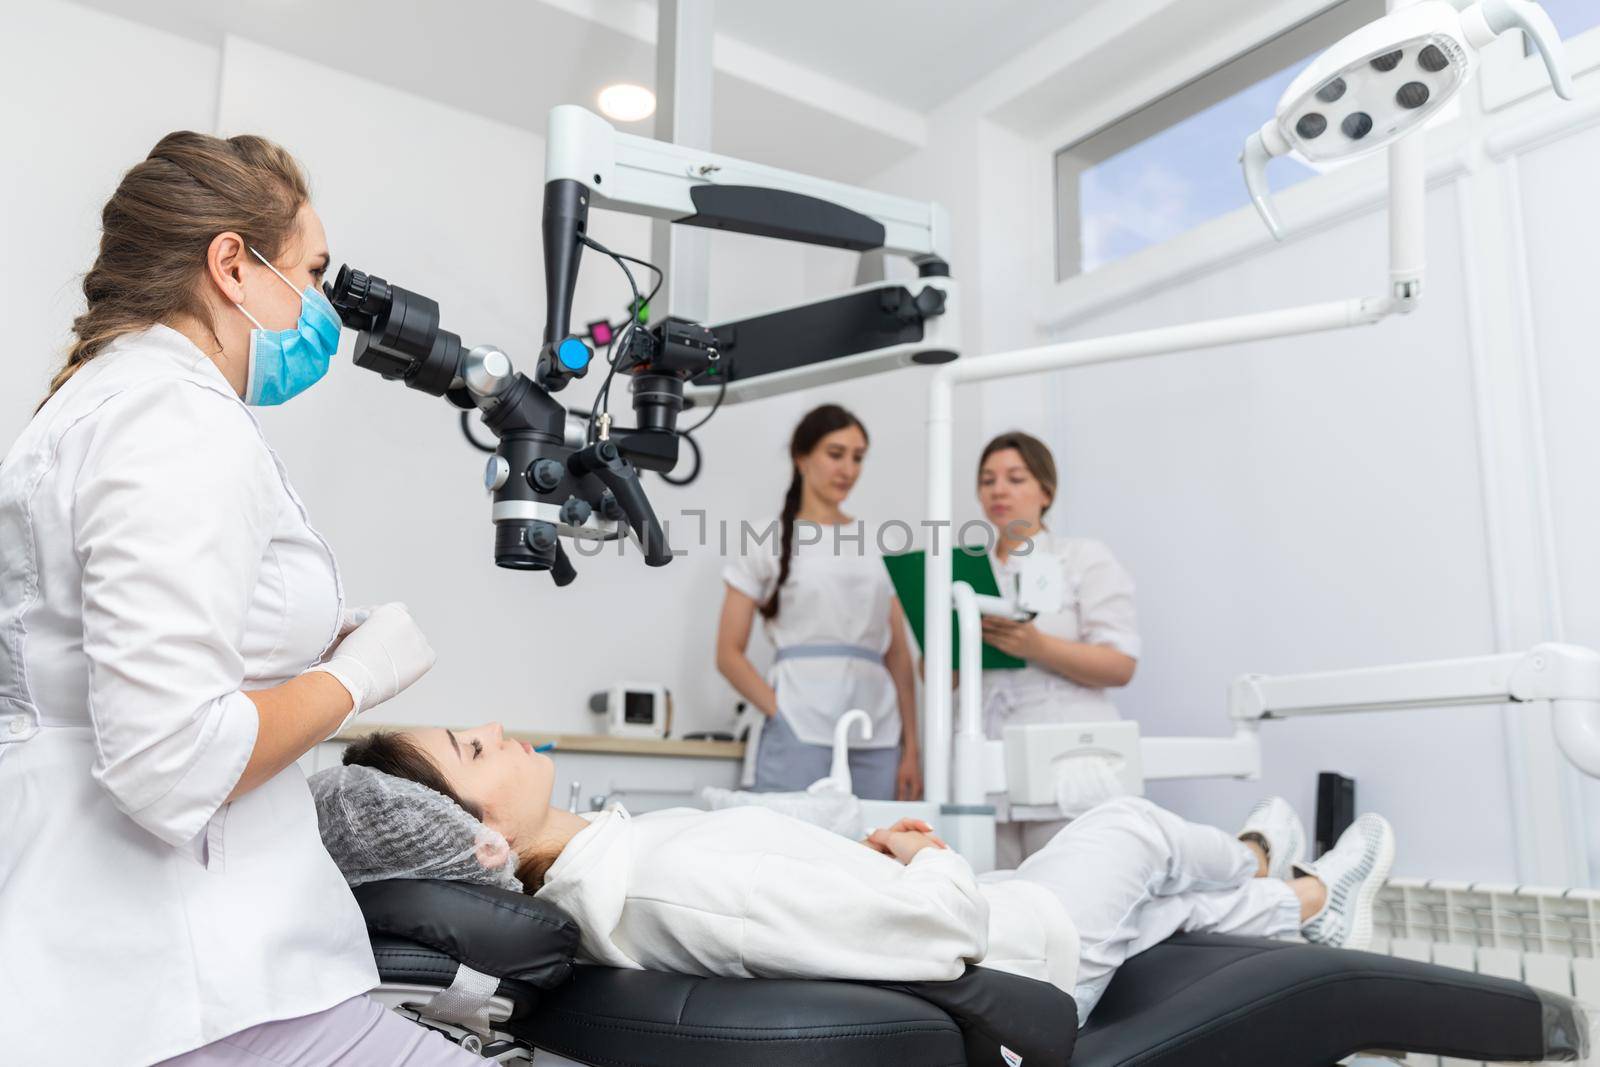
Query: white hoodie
{"points": [[750, 893]]}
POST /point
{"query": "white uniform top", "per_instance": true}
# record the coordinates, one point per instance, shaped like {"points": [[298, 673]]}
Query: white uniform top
{"points": [[750, 893], [1098, 610], [838, 593], [154, 562]]}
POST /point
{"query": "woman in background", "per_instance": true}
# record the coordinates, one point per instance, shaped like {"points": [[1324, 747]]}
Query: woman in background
{"points": [[831, 614], [1073, 656]]}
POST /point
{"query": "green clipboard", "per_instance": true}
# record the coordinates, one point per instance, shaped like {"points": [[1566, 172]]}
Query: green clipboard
{"points": [[970, 565]]}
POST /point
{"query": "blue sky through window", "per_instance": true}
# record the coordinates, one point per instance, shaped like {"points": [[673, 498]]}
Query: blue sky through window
{"points": [[1183, 176], [1572, 17]]}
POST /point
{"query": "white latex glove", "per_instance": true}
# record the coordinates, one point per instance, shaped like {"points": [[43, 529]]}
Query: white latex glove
{"points": [[382, 653], [352, 618]]}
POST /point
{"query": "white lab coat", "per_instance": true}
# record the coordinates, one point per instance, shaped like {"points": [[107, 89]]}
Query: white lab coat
{"points": [[154, 563], [749, 893], [838, 593], [1098, 610]]}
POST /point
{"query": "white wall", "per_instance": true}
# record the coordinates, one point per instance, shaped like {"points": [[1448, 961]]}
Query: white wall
{"points": [[68, 138], [1297, 505], [1561, 331], [1565, 334]]}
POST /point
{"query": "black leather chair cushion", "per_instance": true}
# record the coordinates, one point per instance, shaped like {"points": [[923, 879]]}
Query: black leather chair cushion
{"points": [[1210, 1001], [1032, 1020], [1195, 1001], [496, 931], [650, 1019]]}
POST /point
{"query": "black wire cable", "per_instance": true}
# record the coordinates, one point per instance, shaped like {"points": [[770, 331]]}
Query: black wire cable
{"points": [[694, 472], [722, 391], [466, 431], [603, 394], [688, 435], [661, 275]]}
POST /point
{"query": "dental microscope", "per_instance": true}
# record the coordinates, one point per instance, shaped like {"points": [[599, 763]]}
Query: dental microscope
{"points": [[554, 473]]}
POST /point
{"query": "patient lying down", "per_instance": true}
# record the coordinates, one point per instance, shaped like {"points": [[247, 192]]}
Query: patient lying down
{"points": [[747, 892]]}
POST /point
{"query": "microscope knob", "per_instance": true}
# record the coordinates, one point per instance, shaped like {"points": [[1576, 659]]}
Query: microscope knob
{"points": [[609, 508], [545, 474], [575, 512], [486, 370], [496, 473], [541, 537]]}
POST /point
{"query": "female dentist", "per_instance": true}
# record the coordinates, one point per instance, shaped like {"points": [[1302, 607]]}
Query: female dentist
{"points": [[173, 636], [831, 613], [1073, 656]]}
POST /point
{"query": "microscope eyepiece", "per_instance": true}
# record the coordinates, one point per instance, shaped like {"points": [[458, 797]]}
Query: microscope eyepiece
{"points": [[361, 299], [398, 331]]}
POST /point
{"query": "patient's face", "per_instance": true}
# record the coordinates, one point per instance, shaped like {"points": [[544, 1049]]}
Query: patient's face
{"points": [[506, 778]]}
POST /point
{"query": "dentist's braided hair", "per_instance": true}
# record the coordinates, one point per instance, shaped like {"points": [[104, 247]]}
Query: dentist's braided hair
{"points": [[818, 423], [157, 227]]}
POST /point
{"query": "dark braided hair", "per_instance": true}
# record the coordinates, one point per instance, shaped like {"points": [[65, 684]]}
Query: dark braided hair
{"points": [[818, 423]]}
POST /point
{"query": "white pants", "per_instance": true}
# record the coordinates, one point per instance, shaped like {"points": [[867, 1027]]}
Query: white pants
{"points": [[1132, 874], [361, 1032]]}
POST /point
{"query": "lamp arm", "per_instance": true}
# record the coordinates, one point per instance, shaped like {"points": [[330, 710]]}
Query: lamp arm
{"points": [[1498, 16], [1254, 161]]}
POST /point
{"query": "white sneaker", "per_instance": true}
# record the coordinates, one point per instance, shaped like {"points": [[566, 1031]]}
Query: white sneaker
{"points": [[1352, 871], [1275, 822]]}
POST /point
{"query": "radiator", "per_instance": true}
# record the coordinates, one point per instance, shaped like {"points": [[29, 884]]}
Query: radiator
{"points": [[1542, 936]]}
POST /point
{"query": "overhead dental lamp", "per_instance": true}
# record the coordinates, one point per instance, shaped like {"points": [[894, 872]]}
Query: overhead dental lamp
{"points": [[1387, 79]]}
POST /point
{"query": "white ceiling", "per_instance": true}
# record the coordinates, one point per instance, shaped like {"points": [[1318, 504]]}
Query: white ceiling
{"points": [[858, 77], [512, 60], [917, 53]]}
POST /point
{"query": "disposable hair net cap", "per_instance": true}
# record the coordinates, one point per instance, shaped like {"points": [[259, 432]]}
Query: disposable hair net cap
{"points": [[377, 826]]}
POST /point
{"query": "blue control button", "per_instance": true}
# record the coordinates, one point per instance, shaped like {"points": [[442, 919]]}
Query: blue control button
{"points": [[573, 353]]}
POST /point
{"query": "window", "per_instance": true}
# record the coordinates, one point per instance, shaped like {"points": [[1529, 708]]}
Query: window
{"points": [[1173, 165], [1572, 17]]}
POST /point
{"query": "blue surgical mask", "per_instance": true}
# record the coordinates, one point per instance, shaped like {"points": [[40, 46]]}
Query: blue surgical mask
{"points": [[284, 363]]}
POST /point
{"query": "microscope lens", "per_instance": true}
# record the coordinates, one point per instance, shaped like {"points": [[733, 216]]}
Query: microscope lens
{"points": [[1432, 60], [1311, 125], [1388, 61], [1356, 125], [1332, 91], [1412, 95]]}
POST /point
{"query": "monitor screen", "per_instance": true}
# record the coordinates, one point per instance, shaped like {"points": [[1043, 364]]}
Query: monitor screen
{"points": [[638, 707]]}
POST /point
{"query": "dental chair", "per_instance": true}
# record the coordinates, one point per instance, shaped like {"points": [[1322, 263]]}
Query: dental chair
{"points": [[494, 971]]}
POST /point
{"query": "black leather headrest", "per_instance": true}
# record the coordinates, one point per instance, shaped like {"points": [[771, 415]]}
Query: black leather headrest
{"points": [[496, 931]]}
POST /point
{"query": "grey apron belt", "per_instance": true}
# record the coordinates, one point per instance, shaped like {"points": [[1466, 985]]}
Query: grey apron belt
{"points": [[828, 652]]}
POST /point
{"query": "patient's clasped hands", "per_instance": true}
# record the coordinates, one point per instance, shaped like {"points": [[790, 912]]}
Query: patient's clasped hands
{"points": [[904, 839]]}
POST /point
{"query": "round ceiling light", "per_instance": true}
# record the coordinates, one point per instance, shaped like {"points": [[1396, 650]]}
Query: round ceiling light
{"points": [[627, 103]]}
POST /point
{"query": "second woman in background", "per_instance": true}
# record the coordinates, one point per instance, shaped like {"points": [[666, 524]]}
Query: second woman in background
{"points": [[825, 599], [1073, 656]]}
